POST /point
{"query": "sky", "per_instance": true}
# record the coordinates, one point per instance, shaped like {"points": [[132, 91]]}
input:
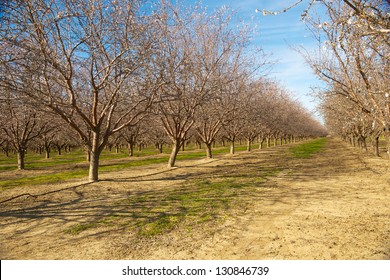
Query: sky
{"points": [[275, 35]]}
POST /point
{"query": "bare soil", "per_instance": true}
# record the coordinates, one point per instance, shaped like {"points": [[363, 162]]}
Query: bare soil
{"points": [[334, 205]]}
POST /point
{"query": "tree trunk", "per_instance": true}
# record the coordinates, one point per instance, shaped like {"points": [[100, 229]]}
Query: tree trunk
{"points": [[175, 151], [261, 143], [376, 146], [364, 144], [208, 150], [47, 151], [94, 163], [21, 154], [248, 145], [94, 167], [387, 137], [232, 148], [131, 149], [88, 156], [353, 141]]}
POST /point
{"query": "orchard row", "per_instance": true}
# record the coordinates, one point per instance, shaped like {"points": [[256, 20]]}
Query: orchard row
{"points": [[100, 72]]}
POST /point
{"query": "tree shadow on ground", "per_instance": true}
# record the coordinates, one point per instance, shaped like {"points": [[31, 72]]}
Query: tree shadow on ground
{"points": [[198, 194]]}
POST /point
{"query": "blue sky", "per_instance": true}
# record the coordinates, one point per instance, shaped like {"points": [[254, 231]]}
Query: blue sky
{"points": [[275, 34]]}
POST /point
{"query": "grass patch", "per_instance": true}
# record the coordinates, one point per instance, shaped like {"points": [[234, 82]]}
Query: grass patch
{"points": [[73, 165], [152, 213], [161, 225], [42, 179], [76, 229], [195, 203], [308, 149]]}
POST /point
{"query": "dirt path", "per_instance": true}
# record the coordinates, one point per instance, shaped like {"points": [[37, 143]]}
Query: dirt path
{"points": [[328, 207], [335, 205]]}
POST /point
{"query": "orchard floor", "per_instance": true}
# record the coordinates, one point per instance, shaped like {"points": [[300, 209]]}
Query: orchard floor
{"points": [[333, 205]]}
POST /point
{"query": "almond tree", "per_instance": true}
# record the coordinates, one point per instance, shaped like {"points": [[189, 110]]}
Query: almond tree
{"points": [[218, 110], [355, 59], [84, 60], [344, 118], [21, 124], [5, 144], [372, 15], [63, 138], [133, 133], [193, 47], [233, 127]]}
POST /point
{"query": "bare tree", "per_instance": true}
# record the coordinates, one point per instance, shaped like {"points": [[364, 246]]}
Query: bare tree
{"points": [[132, 135], [354, 61], [64, 137], [219, 109], [21, 124], [372, 15], [193, 48], [233, 126], [84, 60]]}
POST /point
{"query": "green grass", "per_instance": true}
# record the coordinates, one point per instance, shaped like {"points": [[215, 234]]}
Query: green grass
{"points": [[43, 179], [35, 161], [74, 166], [308, 149], [194, 203], [151, 213], [74, 230]]}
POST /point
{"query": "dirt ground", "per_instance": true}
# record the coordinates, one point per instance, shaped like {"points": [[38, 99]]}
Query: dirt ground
{"points": [[334, 205]]}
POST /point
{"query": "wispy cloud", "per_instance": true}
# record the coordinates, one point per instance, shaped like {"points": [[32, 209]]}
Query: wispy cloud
{"points": [[275, 34]]}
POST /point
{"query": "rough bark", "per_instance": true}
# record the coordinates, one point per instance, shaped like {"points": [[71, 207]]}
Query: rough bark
{"points": [[376, 146], [208, 150], [175, 151], [249, 145], [21, 156], [387, 137], [131, 149], [261, 143], [232, 148], [88, 155], [94, 166], [95, 154]]}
